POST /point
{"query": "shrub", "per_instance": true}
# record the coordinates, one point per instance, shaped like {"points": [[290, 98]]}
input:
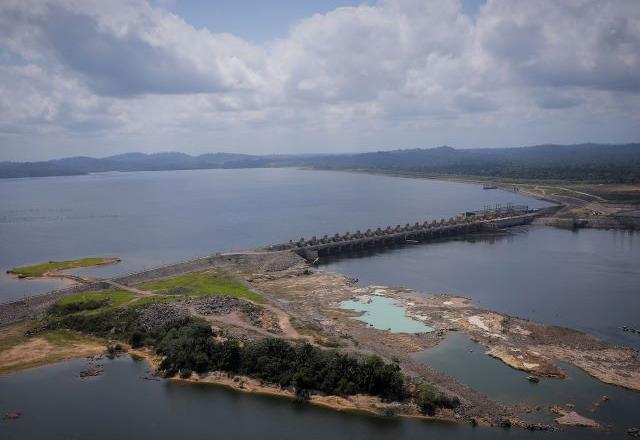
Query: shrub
{"points": [[429, 399], [66, 309], [178, 291]]}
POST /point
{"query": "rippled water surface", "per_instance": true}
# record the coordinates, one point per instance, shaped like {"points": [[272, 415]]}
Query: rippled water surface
{"points": [[151, 218], [120, 404]]}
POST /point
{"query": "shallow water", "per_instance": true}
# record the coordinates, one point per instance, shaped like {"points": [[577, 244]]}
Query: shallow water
{"points": [[586, 279], [385, 314], [466, 361], [153, 218], [56, 404]]}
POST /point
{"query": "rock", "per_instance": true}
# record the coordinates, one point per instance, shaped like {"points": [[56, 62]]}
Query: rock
{"points": [[13, 415], [605, 398], [533, 379], [94, 370], [539, 427], [634, 432], [557, 409], [572, 418], [156, 315], [505, 423]]}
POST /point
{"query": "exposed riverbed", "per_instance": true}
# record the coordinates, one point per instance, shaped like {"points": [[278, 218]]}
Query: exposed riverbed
{"points": [[587, 279]]}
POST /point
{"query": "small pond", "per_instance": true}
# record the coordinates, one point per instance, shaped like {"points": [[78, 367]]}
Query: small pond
{"points": [[385, 314]]}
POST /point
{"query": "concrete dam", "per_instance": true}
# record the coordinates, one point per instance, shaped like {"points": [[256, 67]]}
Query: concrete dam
{"points": [[469, 222]]}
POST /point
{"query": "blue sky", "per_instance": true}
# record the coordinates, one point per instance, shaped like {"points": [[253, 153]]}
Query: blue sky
{"points": [[259, 21], [97, 78], [253, 20]]}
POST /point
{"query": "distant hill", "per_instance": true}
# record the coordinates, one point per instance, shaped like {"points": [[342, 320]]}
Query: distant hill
{"points": [[129, 162], [585, 162]]}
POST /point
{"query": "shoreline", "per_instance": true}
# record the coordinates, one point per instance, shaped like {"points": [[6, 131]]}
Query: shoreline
{"points": [[60, 274], [578, 209], [358, 404]]}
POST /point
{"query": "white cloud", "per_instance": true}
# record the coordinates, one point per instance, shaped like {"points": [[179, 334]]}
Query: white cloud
{"points": [[96, 77]]}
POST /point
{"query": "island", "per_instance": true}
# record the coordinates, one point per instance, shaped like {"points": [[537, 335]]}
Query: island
{"points": [[55, 269]]}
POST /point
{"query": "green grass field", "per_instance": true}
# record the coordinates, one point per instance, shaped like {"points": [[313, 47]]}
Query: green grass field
{"points": [[116, 297], [202, 284], [38, 270]]}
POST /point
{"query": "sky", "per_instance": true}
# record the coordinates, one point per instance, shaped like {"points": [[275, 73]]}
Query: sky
{"points": [[95, 77]]}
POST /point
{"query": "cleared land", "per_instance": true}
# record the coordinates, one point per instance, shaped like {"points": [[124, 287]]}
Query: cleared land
{"points": [[19, 352]]}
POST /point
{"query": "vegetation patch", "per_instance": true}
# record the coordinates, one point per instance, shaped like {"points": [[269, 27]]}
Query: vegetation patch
{"points": [[19, 351], [189, 345], [14, 335], [202, 284], [302, 367], [428, 399], [157, 299], [113, 297], [39, 270]]}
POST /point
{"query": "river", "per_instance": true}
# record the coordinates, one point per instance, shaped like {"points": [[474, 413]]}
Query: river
{"points": [[585, 279]]}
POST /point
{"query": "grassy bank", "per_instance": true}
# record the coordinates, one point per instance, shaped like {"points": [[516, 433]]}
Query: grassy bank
{"points": [[114, 297], [202, 284], [39, 270]]}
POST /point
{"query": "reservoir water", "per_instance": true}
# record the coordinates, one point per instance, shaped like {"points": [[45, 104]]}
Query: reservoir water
{"points": [[466, 361], [587, 279], [120, 404], [152, 218]]}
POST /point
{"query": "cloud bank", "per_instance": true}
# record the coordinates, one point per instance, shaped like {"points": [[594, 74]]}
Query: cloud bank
{"points": [[93, 77]]}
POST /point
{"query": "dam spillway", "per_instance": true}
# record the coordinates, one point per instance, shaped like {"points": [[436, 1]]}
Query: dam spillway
{"points": [[487, 219]]}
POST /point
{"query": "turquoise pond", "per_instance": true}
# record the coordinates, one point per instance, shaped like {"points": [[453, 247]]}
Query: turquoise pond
{"points": [[385, 314]]}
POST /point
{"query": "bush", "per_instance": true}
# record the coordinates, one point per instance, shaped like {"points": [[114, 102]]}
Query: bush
{"points": [[178, 291], [303, 367], [137, 339], [188, 346], [429, 399], [66, 309], [119, 323]]}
